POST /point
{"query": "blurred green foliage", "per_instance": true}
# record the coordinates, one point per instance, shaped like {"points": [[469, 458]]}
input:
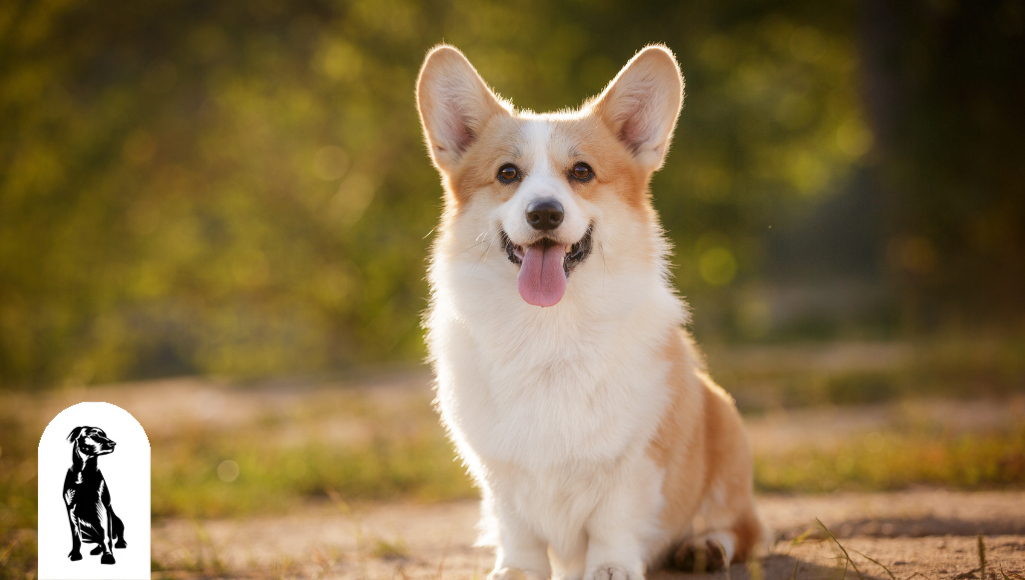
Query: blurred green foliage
{"points": [[241, 188], [766, 377], [898, 460]]}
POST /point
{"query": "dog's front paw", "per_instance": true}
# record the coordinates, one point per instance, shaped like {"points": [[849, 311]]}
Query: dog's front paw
{"points": [[612, 572], [512, 574], [699, 557], [75, 555], [107, 559]]}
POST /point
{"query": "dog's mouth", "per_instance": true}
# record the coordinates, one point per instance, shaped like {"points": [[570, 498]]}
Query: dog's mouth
{"points": [[545, 265]]}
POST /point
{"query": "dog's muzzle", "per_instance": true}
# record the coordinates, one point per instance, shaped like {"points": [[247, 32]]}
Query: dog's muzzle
{"points": [[576, 255]]}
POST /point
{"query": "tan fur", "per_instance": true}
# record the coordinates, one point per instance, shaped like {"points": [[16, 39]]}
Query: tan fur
{"points": [[701, 444]]}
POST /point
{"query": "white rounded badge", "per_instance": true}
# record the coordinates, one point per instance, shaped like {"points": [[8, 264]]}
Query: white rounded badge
{"points": [[94, 496]]}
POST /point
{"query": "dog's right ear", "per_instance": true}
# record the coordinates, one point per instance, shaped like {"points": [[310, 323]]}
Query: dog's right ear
{"points": [[76, 433], [454, 104]]}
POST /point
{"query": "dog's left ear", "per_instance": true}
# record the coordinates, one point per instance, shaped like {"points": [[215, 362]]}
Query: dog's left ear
{"points": [[76, 432], [641, 104]]}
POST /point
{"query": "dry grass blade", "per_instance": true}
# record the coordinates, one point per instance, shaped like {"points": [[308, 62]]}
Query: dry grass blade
{"points": [[722, 553], [804, 536], [344, 507], [876, 562], [7, 553], [842, 549], [982, 558], [444, 554]]}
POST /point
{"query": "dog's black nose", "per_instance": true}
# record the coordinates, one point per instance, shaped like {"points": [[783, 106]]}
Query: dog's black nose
{"points": [[544, 214]]}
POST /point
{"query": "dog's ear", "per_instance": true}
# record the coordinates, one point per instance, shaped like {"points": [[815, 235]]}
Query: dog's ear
{"points": [[76, 433], [454, 104], [641, 104]]}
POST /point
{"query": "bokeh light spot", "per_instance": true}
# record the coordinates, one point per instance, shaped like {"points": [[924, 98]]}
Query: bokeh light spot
{"points": [[854, 138], [227, 471], [717, 266]]}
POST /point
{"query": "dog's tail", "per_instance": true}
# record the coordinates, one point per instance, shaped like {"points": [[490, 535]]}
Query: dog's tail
{"points": [[118, 529]]}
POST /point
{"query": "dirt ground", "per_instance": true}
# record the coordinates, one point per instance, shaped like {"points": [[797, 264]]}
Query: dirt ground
{"points": [[923, 533], [930, 533]]}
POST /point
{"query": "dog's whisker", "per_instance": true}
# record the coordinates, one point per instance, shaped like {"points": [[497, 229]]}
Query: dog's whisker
{"points": [[482, 257], [470, 248], [604, 266], [480, 240]]}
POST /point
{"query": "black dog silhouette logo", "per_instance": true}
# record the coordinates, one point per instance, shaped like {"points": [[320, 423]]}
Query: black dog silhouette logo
{"points": [[87, 497], [109, 470]]}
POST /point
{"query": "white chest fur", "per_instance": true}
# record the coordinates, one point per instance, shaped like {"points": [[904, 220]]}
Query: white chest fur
{"points": [[552, 409], [542, 388]]}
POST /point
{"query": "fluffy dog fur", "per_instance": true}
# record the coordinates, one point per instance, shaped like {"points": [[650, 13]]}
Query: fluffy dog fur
{"points": [[600, 444]]}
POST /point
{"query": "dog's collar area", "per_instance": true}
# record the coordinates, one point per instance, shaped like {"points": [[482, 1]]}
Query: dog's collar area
{"points": [[577, 253]]}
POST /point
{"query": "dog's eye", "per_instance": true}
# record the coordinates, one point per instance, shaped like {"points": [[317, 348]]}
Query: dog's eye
{"points": [[582, 172], [508, 173]]}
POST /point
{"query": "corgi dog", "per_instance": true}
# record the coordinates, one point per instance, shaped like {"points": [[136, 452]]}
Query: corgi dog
{"points": [[573, 395]]}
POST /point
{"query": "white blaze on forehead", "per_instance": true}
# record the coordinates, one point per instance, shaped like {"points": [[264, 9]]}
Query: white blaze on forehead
{"points": [[541, 180], [537, 137]]}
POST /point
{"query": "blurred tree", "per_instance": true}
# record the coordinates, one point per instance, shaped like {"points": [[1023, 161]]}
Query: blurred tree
{"points": [[241, 188], [945, 84]]}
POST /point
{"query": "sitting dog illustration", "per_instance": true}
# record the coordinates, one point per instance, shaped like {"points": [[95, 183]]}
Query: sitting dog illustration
{"points": [[87, 497]]}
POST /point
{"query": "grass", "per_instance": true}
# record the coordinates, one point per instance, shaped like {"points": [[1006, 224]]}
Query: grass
{"points": [[287, 456], [419, 467], [17, 501], [17, 552], [806, 375], [897, 459]]}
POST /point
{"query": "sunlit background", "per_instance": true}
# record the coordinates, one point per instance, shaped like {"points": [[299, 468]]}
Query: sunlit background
{"points": [[240, 188], [234, 197]]}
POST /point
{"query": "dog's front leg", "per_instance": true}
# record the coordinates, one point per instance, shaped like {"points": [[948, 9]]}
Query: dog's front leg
{"points": [[521, 554], [613, 552], [105, 535], [616, 548], [76, 535]]}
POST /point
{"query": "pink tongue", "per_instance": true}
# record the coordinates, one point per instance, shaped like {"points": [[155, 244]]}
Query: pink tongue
{"points": [[542, 281]]}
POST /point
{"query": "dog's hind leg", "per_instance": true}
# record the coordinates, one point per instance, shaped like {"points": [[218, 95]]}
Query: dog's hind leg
{"points": [[117, 528], [713, 550]]}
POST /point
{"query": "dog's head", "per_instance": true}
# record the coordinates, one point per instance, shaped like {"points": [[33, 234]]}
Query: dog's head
{"points": [[549, 189], [91, 441]]}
